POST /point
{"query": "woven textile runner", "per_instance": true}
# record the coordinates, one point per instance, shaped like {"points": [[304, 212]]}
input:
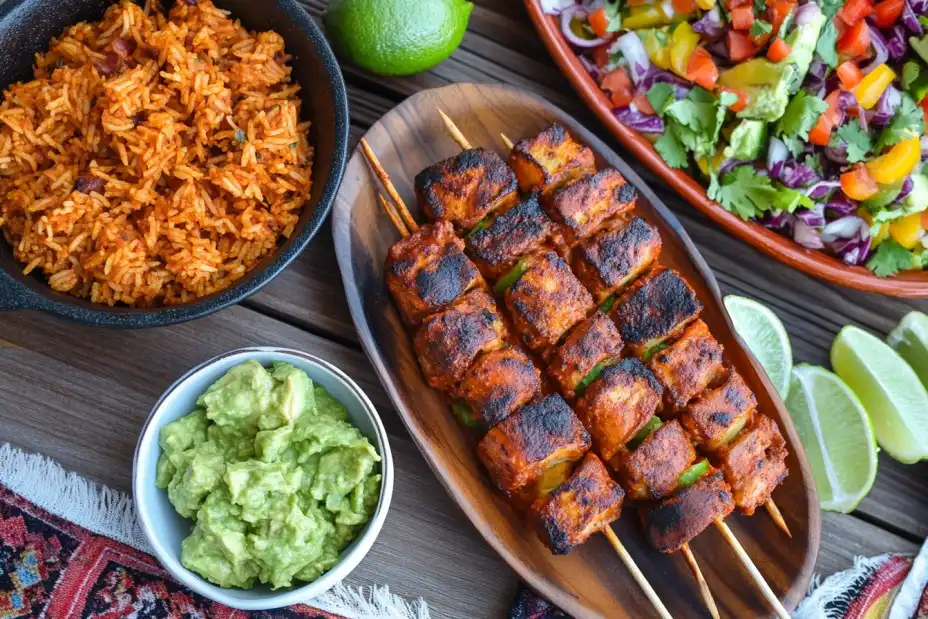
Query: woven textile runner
{"points": [[87, 560]]}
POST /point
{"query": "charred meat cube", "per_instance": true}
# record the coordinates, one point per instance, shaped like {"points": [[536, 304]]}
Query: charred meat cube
{"points": [[428, 270], [541, 435], [547, 160], [579, 508], [675, 521], [653, 469], [656, 308], [618, 404], [717, 416], [448, 342], [515, 233], [612, 258], [499, 382], [546, 301], [583, 204], [465, 188], [591, 345], [687, 366], [754, 463]]}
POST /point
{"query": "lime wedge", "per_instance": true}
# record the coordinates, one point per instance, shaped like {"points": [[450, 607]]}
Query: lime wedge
{"points": [[910, 340], [895, 399], [765, 335], [835, 430]]}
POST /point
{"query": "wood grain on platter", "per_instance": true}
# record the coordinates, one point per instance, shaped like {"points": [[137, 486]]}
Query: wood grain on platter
{"points": [[591, 581], [816, 263]]}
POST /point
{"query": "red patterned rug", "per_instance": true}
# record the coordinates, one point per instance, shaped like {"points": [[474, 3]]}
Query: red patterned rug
{"points": [[52, 568]]}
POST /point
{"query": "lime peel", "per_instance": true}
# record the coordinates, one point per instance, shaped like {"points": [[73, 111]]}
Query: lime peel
{"points": [[765, 336]]}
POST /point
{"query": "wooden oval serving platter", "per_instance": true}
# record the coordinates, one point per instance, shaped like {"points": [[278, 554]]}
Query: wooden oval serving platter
{"points": [[591, 581], [815, 263]]}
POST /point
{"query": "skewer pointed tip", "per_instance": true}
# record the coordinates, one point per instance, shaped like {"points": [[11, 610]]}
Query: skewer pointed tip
{"points": [[636, 573], [748, 564], [506, 141], [701, 581], [774, 512], [452, 128]]}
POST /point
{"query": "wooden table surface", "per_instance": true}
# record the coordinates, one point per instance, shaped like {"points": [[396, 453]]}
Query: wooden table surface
{"points": [[80, 395]]}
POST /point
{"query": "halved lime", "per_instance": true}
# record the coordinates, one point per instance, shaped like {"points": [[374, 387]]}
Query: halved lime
{"points": [[765, 335], [910, 340], [837, 435], [889, 389]]}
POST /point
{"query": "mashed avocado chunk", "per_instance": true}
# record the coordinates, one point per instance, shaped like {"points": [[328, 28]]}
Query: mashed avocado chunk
{"points": [[276, 479]]}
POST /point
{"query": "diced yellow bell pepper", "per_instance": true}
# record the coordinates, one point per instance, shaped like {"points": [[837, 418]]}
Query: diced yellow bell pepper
{"points": [[658, 52], [898, 163], [683, 42], [754, 72], [907, 230], [645, 16], [880, 234], [871, 87], [705, 5], [706, 166]]}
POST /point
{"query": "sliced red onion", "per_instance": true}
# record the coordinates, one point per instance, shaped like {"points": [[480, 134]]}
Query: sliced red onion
{"points": [[843, 228], [633, 50], [658, 76], [896, 43], [814, 217], [880, 49], [567, 16], [554, 7], [907, 186], [642, 123], [910, 19], [806, 14], [776, 153], [819, 190], [806, 235], [710, 24], [839, 205]]}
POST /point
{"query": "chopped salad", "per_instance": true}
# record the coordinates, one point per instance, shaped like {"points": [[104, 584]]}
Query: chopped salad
{"points": [[806, 117]]}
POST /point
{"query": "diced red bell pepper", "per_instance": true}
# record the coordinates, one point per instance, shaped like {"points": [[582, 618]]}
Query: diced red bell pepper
{"points": [[778, 50], [742, 101], [740, 46], [856, 41], [887, 12], [857, 184], [599, 22], [820, 134], [644, 106], [849, 74], [601, 56], [619, 86], [854, 11], [742, 17], [701, 69]]}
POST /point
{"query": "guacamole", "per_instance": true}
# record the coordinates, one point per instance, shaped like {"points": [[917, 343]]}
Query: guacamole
{"points": [[276, 479]]}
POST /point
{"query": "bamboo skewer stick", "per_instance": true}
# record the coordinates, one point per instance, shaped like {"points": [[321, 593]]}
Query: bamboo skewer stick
{"points": [[771, 506], [388, 185], [392, 214], [636, 572], [704, 590], [752, 569], [456, 134]]}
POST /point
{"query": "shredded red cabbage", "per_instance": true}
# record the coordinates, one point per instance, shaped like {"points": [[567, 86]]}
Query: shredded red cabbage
{"points": [[806, 235], [779, 221], [659, 76], [896, 43], [839, 205], [910, 19], [643, 123], [814, 217], [793, 174], [880, 49], [821, 189]]}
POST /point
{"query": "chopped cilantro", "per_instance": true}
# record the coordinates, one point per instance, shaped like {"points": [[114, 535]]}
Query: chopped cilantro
{"points": [[909, 120], [659, 95], [760, 28], [614, 13], [759, 7], [828, 39], [670, 149], [748, 194], [890, 258], [800, 116], [856, 139], [923, 20]]}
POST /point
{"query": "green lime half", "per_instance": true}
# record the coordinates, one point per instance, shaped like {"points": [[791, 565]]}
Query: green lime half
{"points": [[910, 340], [894, 397], [396, 37], [765, 335], [837, 435]]}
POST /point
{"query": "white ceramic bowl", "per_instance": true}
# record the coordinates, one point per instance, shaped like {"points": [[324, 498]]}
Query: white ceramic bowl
{"points": [[165, 529]]}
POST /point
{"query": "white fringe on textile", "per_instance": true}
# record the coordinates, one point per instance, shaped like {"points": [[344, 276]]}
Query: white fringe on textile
{"points": [[835, 588], [111, 513]]}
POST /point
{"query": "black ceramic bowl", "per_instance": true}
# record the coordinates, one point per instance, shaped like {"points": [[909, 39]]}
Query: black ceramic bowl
{"points": [[26, 27]]}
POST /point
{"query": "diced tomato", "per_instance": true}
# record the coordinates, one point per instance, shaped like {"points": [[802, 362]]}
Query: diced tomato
{"points": [[856, 41], [778, 50], [742, 101], [849, 74], [821, 132], [924, 105], [601, 56], [742, 18], [701, 69], [740, 47], [644, 106], [684, 7], [854, 11], [619, 86], [778, 11], [886, 13], [599, 22], [857, 184]]}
